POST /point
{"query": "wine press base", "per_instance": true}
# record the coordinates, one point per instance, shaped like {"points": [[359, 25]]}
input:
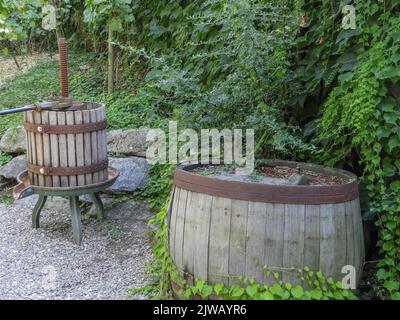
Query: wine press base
{"points": [[24, 189]]}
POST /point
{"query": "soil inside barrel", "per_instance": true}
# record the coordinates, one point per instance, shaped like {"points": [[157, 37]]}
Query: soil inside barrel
{"points": [[268, 175]]}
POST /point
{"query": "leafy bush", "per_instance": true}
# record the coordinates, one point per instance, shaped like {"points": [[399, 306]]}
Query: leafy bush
{"points": [[131, 111], [159, 185], [238, 77]]}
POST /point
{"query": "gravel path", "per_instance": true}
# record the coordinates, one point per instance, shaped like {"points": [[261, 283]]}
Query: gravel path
{"points": [[45, 264]]}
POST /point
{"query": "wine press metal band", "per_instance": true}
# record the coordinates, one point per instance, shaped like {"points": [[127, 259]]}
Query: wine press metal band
{"points": [[67, 171], [65, 129]]}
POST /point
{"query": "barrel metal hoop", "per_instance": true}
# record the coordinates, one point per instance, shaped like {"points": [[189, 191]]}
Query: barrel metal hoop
{"points": [[67, 171], [65, 129], [257, 192]]}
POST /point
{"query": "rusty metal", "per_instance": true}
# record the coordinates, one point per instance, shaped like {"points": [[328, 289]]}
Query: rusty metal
{"points": [[65, 129], [30, 107], [63, 50], [257, 192], [24, 187], [67, 171]]}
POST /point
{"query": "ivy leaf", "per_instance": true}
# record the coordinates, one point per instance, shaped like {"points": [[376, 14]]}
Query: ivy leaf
{"points": [[316, 294], [396, 296], [345, 77], [200, 285], [383, 132], [387, 246], [392, 285], [218, 288], [237, 291], [396, 184], [206, 291], [389, 170], [388, 72], [266, 296], [347, 34], [297, 292], [396, 36], [115, 24], [391, 117], [187, 294], [347, 61], [251, 290], [394, 142], [276, 290]]}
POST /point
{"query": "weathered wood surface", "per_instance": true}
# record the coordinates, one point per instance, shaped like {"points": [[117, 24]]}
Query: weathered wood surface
{"points": [[37, 118], [220, 239], [95, 155], [237, 243], [62, 148], [274, 238], [87, 147], [71, 149], [80, 160], [54, 140], [67, 150]]}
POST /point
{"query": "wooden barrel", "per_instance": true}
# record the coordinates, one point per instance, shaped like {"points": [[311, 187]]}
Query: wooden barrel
{"points": [[67, 148], [220, 230]]}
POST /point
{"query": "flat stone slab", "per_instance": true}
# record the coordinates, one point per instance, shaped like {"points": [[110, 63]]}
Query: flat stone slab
{"points": [[133, 174], [131, 142]]}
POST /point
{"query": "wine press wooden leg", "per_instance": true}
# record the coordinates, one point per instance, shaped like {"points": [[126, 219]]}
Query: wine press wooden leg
{"points": [[76, 219], [36, 211], [98, 204]]}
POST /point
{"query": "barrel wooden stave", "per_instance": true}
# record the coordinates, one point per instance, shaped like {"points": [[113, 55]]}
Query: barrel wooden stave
{"points": [[67, 150], [220, 239]]}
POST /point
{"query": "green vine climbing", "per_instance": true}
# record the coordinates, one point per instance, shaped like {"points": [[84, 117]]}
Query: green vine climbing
{"points": [[362, 115]]}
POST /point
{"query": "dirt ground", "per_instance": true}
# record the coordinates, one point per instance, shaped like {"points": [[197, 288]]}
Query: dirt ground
{"points": [[8, 68]]}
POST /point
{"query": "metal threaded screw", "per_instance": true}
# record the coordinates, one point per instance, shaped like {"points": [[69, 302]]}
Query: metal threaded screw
{"points": [[63, 50]]}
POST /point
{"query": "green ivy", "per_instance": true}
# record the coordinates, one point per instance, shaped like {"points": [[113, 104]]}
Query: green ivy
{"points": [[158, 186], [361, 116], [5, 158]]}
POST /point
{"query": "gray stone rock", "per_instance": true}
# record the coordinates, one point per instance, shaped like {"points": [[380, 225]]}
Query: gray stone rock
{"points": [[13, 168], [131, 142], [298, 179], [13, 140], [133, 174]]}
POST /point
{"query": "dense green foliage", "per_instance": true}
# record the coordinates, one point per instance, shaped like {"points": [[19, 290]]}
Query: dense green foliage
{"points": [[358, 74], [237, 77], [312, 90]]}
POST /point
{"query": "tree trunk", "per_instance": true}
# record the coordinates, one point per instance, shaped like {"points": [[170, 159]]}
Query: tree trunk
{"points": [[110, 72]]}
